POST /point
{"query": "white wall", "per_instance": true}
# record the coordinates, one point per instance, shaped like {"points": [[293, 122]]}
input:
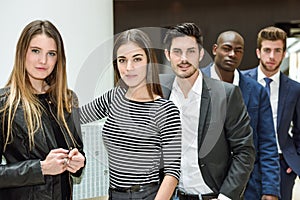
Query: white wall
{"points": [[86, 27]]}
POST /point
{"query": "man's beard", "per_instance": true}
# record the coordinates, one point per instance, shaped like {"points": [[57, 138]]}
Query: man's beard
{"points": [[186, 75], [270, 70]]}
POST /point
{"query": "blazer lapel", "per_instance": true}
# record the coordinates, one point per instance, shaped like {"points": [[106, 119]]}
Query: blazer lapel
{"points": [[253, 73], [245, 88], [283, 93], [204, 113]]}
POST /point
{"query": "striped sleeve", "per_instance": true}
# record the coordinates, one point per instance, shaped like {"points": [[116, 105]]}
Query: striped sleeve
{"points": [[96, 109], [168, 121]]}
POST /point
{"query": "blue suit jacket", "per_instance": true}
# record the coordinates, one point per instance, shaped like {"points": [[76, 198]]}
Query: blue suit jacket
{"points": [[288, 113], [266, 173]]}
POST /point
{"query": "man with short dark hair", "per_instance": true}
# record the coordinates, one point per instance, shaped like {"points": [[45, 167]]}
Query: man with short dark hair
{"points": [[217, 144]]}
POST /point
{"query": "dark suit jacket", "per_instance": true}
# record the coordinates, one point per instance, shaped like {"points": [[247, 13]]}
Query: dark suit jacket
{"points": [[288, 112], [265, 178], [226, 152]]}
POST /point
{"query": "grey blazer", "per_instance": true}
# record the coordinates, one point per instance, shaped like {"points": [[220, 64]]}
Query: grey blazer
{"points": [[226, 152]]}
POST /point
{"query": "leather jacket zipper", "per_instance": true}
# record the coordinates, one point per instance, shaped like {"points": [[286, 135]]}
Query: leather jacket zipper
{"points": [[67, 142], [62, 130]]}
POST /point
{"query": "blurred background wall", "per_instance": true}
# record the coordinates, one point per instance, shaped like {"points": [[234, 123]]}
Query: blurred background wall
{"points": [[86, 27], [212, 16]]}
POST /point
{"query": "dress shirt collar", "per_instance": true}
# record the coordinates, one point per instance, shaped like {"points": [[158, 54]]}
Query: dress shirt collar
{"points": [[261, 76], [196, 88], [214, 75]]}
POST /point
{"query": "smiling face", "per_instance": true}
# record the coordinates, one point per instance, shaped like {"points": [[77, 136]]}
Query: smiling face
{"points": [[132, 65], [41, 58], [184, 56]]}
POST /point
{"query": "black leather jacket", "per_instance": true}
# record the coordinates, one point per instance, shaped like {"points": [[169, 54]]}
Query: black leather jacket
{"points": [[21, 178]]}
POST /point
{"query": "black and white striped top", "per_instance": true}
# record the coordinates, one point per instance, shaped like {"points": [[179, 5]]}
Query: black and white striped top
{"points": [[134, 135]]}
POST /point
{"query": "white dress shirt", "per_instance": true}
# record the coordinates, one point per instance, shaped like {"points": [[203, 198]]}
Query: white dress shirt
{"points": [[191, 180], [214, 75], [274, 94]]}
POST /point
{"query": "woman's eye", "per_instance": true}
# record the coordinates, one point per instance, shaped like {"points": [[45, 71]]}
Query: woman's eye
{"points": [[35, 50], [137, 59], [52, 54], [121, 60]]}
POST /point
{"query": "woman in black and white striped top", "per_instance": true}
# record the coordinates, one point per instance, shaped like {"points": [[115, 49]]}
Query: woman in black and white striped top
{"points": [[142, 129]]}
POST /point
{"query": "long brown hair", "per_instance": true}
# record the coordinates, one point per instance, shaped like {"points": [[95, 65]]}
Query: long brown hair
{"points": [[21, 92], [141, 39]]}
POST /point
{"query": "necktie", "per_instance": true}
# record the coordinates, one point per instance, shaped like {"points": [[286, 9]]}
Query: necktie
{"points": [[268, 81]]}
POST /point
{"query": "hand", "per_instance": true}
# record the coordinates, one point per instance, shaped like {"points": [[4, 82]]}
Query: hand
{"points": [[55, 162], [75, 161], [269, 197], [289, 170]]}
